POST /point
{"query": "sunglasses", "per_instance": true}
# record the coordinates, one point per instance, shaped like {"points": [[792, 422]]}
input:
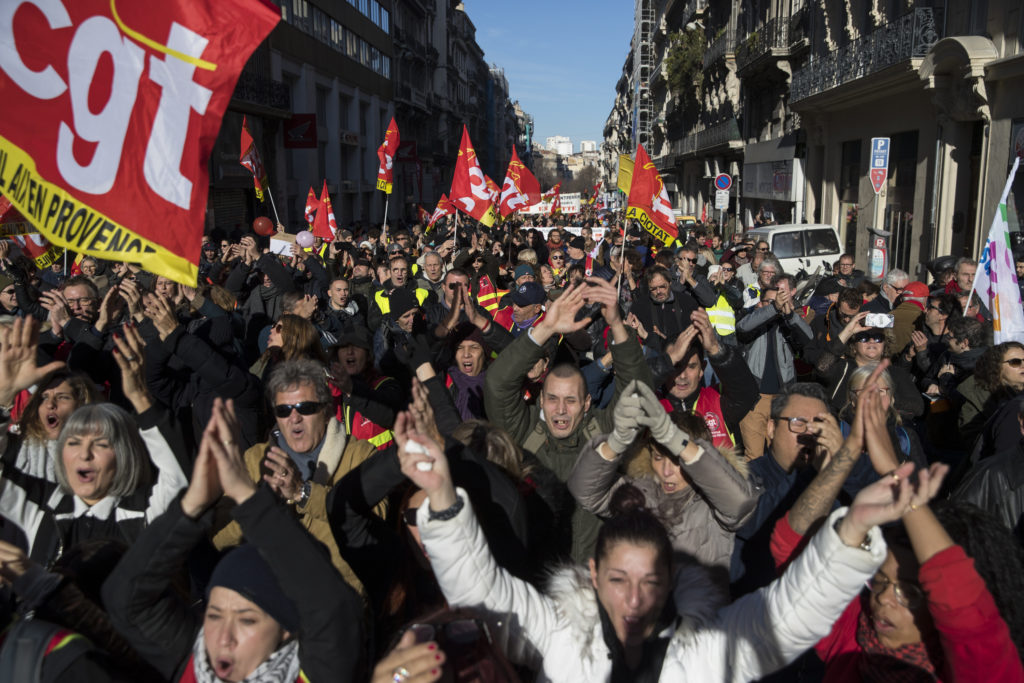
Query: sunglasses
{"points": [[687, 258], [1014, 362], [728, 270], [304, 408], [870, 338], [762, 249], [557, 258]]}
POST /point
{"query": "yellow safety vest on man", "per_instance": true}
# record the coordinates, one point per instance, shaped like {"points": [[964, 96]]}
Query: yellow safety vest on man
{"points": [[722, 317], [384, 304]]}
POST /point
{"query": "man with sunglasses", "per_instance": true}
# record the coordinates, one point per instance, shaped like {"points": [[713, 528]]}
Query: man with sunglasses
{"points": [[307, 454], [748, 272], [892, 285], [800, 430], [690, 280]]}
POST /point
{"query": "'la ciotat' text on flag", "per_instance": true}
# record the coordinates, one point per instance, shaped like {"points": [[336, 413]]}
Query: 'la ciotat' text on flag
{"points": [[125, 178], [648, 200], [469, 192], [386, 155], [996, 280]]}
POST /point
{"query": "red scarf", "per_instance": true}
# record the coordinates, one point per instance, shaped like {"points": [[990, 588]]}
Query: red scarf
{"points": [[878, 663]]}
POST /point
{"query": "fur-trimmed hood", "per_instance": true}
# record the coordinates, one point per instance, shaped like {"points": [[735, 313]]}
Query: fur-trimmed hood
{"points": [[697, 598]]}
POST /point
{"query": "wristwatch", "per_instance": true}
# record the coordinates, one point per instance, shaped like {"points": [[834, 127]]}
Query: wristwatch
{"points": [[864, 545], [303, 495]]}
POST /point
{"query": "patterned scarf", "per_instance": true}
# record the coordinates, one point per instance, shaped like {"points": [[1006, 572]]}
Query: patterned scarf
{"points": [[878, 663], [281, 667]]}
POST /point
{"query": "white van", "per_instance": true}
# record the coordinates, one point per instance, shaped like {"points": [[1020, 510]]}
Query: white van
{"points": [[805, 245]]}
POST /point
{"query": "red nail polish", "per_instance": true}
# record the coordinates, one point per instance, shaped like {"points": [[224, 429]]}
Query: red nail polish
{"points": [[433, 672], [437, 657], [431, 647]]}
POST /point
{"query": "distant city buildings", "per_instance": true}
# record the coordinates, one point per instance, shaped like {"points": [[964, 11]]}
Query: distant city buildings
{"points": [[588, 146], [559, 144]]}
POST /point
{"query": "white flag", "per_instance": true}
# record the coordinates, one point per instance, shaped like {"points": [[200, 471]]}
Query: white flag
{"points": [[996, 281]]}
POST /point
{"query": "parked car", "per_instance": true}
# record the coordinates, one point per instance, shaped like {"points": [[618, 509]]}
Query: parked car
{"points": [[801, 246]]}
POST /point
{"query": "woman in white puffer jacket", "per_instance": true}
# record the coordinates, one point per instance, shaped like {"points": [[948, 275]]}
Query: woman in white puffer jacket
{"points": [[616, 622]]}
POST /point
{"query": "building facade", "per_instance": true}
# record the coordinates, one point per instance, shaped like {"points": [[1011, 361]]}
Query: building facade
{"points": [[789, 93]]}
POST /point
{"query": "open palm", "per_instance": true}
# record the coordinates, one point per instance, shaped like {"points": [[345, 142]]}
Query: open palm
{"points": [[18, 368]]}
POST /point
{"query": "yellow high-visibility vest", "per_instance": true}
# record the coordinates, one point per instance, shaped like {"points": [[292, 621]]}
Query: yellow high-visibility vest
{"points": [[384, 303], [722, 317]]}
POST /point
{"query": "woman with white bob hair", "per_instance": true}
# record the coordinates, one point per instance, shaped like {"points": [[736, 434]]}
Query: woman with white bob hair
{"points": [[630, 616], [104, 461]]}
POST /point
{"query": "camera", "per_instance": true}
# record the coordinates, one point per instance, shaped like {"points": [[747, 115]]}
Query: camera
{"points": [[883, 320]]}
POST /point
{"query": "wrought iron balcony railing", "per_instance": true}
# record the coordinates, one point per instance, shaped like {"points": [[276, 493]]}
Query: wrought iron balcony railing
{"points": [[720, 47], [911, 35], [772, 35]]}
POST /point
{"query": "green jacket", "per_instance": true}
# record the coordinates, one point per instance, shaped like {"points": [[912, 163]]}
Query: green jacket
{"points": [[505, 407]]}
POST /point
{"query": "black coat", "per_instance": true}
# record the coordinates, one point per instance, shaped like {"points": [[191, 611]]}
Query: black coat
{"points": [[996, 485], [163, 627]]}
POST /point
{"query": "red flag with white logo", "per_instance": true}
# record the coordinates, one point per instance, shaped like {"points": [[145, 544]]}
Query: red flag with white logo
{"points": [[386, 155], [469, 192], [324, 225], [312, 204], [521, 189], [250, 158], [648, 200], [444, 208], [110, 156]]}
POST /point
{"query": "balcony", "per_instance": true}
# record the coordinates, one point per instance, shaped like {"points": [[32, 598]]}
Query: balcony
{"points": [[771, 40], [692, 7], [908, 37], [724, 44], [715, 135]]}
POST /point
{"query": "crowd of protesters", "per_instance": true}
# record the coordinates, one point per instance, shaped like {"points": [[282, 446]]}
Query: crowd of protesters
{"points": [[511, 453]]}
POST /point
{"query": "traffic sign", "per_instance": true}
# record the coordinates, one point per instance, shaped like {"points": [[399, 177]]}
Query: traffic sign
{"points": [[879, 171], [722, 198], [723, 181]]}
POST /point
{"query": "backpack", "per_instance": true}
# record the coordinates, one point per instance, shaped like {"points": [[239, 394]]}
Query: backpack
{"points": [[29, 641]]}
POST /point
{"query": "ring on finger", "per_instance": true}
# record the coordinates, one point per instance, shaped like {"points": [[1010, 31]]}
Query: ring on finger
{"points": [[400, 674]]}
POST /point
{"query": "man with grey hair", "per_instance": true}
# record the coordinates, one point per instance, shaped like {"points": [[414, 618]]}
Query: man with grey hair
{"points": [[893, 284], [431, 275], [963, 281], [306, 455]]}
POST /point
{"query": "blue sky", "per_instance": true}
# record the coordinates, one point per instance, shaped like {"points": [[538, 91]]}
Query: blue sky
{"points": [[561, 57]]}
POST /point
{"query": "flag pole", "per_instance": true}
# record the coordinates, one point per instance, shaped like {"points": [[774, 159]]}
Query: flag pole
{"points": [[277, 219], [622, 262], [387, 199]]}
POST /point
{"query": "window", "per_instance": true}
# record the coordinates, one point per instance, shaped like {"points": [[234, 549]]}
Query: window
{"points": [[385, 20], [321, 159], [787, 245], [344, 102], [321, 106], [821, 242]]}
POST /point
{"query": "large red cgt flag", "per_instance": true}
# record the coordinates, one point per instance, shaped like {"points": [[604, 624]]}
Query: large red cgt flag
{"points": [[648, 201], [386, 154], [111, 110], [250, 158], [324, 224], [312, 204], [469, 185], [521, 189]]}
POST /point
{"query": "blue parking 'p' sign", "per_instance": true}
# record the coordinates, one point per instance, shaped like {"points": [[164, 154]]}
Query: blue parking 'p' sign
{"points": [[723, 181]]}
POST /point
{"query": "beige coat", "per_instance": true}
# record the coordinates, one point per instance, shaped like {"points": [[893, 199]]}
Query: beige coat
{"points": [[339, 456]]}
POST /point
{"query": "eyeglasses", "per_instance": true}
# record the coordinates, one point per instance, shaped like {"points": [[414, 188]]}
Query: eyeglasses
{"points": [[845, 265], [797, 425], [1014, 362], [304, 408], [907, 593]]}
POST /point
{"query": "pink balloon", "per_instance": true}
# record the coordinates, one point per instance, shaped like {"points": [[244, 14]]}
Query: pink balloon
{"points": [[304, 239]]}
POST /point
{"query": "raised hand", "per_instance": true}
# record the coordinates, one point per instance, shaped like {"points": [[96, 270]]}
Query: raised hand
{"points": [[60, 313], [474, 315], [658, 421], [829, 436], [884, 501], [680, 346], [855, 326], [129, 291], [929, 481], [597, 290], [18, 369], [424, 463], [129, 352], [624, 419], [410, 663], [13, 562], [708, 336], [224, 441], [204, 487], [423, 413], [159, 310], [108, 309]]}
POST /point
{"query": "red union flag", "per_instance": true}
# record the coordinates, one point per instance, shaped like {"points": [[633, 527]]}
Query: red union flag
{"points": [[386, 154], [469, 190], [110, 114], [250, 158], [521, 189], [648, 201], [312, 204], [444, 208], [324, 225]]}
